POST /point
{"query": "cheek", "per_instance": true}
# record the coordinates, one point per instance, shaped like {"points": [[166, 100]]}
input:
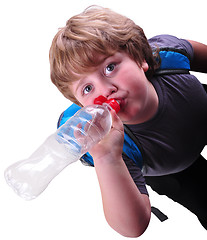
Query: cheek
{"points": [[131, 78], [139, 85], [136, 88], [87, 102]]}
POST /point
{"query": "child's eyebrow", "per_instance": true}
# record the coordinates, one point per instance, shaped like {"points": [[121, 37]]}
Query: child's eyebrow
{"points": [[80, 82], [106, 59]]}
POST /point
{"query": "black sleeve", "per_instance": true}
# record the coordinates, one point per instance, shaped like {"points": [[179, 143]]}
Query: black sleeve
{"points": [[136, 174]]}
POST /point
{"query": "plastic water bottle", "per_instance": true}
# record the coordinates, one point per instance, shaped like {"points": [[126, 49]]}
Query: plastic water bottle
{"points": [[88, 126]]}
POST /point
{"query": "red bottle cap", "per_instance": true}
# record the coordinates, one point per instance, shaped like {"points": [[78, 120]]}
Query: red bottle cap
{"points": [[112, 102], [100, 100]]}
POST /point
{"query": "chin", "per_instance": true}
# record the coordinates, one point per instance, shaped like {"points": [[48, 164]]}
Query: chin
{"points": [[127, 120]]}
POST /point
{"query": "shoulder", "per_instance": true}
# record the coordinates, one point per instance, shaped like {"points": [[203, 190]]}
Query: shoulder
{"points": [[169, 41], [200, 57]]}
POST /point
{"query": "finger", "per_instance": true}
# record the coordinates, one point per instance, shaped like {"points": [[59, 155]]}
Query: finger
{"points": [[116, 121], [79, 133]]}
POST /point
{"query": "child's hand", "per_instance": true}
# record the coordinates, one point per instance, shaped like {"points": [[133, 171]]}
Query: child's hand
{"points": [[111, 146]]}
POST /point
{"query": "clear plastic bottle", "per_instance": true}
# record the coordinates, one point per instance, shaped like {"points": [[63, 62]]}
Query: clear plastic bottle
{"points": [[88, 126]]}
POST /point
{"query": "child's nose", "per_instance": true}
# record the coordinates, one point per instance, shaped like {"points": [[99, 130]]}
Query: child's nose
{"points": [[106, 91]]}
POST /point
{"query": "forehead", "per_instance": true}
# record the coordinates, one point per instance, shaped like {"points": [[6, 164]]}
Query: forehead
{"points": [[86, 70]]}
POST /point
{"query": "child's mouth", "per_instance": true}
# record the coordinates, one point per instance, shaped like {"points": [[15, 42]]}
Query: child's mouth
{"points": [[121, 103]]}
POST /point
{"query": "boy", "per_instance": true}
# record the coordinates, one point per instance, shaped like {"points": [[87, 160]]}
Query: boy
{"points": [[100, 52]]}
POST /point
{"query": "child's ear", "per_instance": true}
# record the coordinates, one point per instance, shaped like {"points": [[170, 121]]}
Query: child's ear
{"points": [[145, 66]]}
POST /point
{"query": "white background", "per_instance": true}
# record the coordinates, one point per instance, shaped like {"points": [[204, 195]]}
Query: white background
{"points": [[71, 208]]}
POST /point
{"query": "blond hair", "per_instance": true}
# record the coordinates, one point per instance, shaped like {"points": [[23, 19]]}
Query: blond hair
{"points": [[96, 31]]}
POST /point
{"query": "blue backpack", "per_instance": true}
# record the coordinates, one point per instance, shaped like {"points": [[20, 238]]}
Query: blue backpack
{"points": [[172, 61]]}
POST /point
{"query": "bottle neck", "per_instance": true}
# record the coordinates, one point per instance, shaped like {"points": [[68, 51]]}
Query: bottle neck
{"points": [[101, 100], [107, 106], [112, 104]]}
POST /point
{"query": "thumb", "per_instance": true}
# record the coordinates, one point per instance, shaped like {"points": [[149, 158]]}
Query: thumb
{"points": [[116, 122]]}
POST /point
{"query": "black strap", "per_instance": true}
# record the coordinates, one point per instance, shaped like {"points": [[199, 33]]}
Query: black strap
{"points": [[161, 216], [171, 71], [135, 140], [131, 134]]}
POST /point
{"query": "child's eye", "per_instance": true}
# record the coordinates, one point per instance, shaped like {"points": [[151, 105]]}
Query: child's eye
{"points": [[109, 69], [87, 89]]}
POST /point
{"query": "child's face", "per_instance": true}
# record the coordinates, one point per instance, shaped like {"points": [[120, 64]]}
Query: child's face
{"points": [[118, 77]]}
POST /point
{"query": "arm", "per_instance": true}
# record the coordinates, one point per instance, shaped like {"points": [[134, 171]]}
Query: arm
{"points": [[199, 63], [126, 210]]}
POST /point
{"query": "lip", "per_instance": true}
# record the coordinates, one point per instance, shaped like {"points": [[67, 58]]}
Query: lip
{"points": [[121, 102]]}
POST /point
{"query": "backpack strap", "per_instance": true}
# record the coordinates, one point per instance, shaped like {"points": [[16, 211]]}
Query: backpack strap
{"points": [[160, 215], [172, 61]]}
